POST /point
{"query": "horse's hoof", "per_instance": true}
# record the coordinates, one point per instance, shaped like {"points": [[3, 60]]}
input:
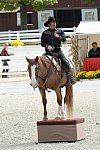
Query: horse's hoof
{"points": [[45, 118], [57, 118], [63, 118]]}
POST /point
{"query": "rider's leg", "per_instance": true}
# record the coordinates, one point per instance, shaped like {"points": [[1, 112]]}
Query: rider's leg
{"points": [[66, 64]]}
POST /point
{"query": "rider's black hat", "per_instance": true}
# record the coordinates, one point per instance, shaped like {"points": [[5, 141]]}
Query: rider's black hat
{"points": [[50, 19]]}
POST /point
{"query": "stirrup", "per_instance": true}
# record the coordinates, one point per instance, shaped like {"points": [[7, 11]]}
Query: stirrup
{"points": [[72, 81], [71, 78]]}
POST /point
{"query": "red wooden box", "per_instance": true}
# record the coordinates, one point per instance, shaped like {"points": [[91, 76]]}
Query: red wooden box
{"points": [[61, 130]]}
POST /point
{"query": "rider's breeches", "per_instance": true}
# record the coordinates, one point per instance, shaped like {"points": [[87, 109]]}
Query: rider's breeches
{"points": [[64, 60]]}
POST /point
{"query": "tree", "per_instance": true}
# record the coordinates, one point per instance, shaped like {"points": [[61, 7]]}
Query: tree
{"points": [[37, 5]]}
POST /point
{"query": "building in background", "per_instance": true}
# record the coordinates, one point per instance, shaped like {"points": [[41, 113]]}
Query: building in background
{"points": [[68, 13]]}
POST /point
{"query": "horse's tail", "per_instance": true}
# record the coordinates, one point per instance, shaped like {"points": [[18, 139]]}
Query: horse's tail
{"points": [[69, 100], [72, 65]]}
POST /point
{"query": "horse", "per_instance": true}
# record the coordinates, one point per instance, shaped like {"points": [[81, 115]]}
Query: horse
{"points": [[44, 75]]}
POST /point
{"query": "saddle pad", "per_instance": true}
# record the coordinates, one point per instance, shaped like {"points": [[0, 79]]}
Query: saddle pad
{"points": [[56, 63]]}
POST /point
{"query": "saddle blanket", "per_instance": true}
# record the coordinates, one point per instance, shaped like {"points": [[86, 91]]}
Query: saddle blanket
{"points": [[57, 63]]}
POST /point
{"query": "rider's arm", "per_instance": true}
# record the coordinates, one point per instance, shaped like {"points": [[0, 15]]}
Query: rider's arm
{"points": [[43, 40], [44, 43], [62, 36]]}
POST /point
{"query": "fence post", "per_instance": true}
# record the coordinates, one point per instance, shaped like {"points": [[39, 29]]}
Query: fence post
{"points": [[9, 33], [74, 28], [18, 36]]}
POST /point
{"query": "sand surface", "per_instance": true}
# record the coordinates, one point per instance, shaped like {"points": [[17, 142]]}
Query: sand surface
{"points": [[19, 113]]}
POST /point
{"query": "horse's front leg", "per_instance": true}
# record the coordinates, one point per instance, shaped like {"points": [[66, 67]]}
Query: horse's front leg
{"points": [[44, 101], [61, 113]]}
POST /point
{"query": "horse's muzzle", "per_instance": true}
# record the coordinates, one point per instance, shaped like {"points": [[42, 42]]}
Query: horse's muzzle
{"points": [[35, 85]]}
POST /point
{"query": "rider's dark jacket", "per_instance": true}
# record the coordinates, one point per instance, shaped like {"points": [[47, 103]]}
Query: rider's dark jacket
{"points": [[48, 38]]}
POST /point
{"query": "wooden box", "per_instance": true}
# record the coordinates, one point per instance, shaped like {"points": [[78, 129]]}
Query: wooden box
{"points": [[61, 130]]}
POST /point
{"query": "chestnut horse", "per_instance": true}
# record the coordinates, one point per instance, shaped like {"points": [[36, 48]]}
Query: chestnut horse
{"points": [[44, 75]]}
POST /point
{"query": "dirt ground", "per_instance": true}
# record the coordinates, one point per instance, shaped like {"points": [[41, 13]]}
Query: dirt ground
{"points": [[19, 113]]}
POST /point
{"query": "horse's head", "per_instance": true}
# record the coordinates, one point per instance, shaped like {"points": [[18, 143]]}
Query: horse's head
{"points": [[31, 68]]}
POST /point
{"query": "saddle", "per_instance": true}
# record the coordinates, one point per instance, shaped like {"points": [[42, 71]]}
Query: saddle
{"points": [[55, 60]]}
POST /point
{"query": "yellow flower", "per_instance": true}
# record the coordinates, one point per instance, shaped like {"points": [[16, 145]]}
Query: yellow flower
{"points": [[90, 74], [17, 43], [81, 75], [97, 74]]}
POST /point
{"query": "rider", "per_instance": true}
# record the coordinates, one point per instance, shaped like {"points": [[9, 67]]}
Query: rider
{"points": [[51, 39]]}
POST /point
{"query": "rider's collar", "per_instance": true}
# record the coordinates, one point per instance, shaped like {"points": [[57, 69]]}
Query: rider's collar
{"points": [[53, 29]]}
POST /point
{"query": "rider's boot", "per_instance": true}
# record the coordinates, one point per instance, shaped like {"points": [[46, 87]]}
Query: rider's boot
{"points": [[71, 77]]}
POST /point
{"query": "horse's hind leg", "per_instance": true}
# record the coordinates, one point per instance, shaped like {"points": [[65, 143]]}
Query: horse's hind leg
{"points": [[69, 100], [60, 114], [44, 101]]}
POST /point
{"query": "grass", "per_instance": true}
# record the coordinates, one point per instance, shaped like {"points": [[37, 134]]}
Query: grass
{"points": [[15, 76], [32, 43], [25, 43]]}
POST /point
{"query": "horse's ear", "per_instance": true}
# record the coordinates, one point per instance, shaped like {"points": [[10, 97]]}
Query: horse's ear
{"points": [[32, 61], [28, 60], [36, 59]]}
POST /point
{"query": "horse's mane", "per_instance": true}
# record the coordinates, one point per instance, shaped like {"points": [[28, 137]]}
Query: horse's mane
{"points": [[43, 62]]}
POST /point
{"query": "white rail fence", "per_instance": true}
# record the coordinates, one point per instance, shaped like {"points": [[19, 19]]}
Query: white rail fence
{"points": [[28, 35], [17, 65]]}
